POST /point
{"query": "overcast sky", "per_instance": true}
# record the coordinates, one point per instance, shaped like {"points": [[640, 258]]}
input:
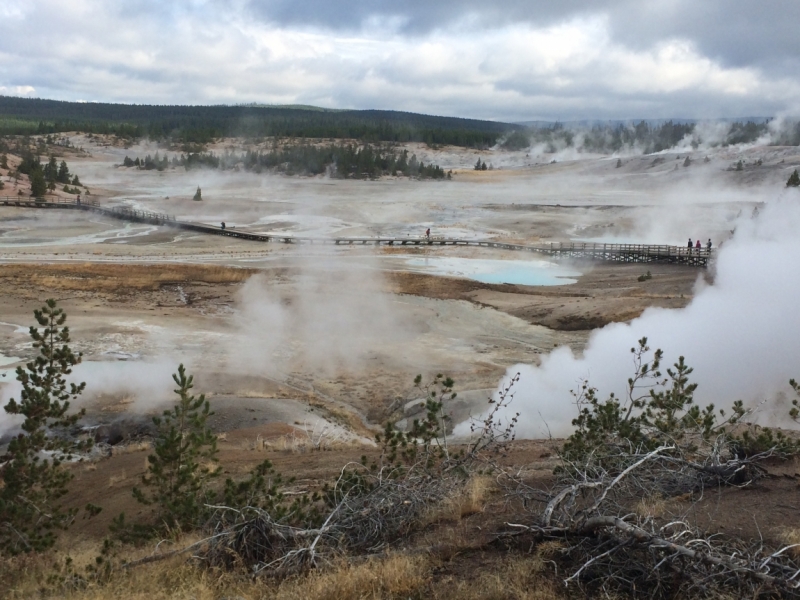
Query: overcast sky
{"points": [[494, 59]]}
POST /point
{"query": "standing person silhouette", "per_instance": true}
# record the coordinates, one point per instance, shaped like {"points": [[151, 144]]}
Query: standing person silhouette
{"points": [[428, 233], [708, 245], [690, 246], [698, 245]]}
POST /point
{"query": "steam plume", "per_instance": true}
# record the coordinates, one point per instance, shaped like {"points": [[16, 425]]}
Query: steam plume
{"points": [[741, 334]]}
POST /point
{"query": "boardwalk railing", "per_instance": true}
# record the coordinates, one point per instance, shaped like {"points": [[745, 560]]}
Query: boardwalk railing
{"points": [[56, 202], [636, 253], [120, 212]]}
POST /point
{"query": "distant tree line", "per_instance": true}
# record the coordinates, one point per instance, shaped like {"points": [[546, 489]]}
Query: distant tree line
{"points": [[346, 161], [202, 124], [648, 138]]}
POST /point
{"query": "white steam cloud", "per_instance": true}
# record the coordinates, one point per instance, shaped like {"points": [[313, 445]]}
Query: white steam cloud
{"points": [[332, 320], [741, 334]]}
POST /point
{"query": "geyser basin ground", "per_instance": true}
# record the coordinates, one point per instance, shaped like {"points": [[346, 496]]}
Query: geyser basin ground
{"points": [[466, 313]]}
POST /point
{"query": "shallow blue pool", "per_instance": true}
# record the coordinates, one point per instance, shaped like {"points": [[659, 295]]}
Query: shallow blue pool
{"points": [[519, 272]]}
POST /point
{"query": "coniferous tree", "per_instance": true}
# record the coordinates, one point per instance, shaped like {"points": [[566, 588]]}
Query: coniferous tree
{"points": [[180, 467], [794, 180], [38, 183], [198, 195], [4, 161], [51, 170], [33, 482], [63, 173]]}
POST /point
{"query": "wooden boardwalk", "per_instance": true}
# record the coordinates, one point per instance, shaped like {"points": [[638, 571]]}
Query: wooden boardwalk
{"points": [[633, 253]]}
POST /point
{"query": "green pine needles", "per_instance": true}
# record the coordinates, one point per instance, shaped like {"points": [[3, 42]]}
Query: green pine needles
{"points": [[33, 479], [661, 410], [183, 460]]}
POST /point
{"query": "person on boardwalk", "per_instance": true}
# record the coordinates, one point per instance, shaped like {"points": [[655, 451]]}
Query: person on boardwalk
{"points": [[708, 245], [690, 246], [698, 245], [428, 233], [222, 225], [78, 199]]}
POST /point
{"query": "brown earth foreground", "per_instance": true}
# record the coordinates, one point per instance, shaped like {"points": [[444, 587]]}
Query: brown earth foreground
{"points": [[455, 552]]}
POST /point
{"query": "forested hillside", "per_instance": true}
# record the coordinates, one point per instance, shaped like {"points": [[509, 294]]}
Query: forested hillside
{"points": [[201, 124]]}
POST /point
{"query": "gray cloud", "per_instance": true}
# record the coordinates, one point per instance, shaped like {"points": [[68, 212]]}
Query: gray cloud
{"points": [[502, 60], [737, 32], [734, 32]]}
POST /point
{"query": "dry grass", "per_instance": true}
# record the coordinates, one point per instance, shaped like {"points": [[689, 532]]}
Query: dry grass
{"points": [[118, 478], [789, 536], [467, 501], [131, 447], [653, 507], [519, 578], [305, 439], [347, 418], [395, 576], [117, 277]]}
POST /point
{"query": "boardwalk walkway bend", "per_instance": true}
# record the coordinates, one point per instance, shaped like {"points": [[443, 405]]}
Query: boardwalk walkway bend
{"points": [[637, 253]]}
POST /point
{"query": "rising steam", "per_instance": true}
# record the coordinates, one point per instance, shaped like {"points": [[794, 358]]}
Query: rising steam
{"points": [[741, 334]]}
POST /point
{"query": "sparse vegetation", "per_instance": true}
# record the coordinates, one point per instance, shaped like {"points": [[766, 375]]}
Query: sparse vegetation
{"points": [[660, 410], [794, 179], [393, 524], [42, 177]]}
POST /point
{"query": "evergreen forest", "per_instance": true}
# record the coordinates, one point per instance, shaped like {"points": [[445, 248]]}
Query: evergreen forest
{"points": [[344, 161], [203, 124]]}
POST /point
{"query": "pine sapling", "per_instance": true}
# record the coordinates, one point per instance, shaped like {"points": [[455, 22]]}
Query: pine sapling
{"points": [[33, 478], [182, 464]]}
